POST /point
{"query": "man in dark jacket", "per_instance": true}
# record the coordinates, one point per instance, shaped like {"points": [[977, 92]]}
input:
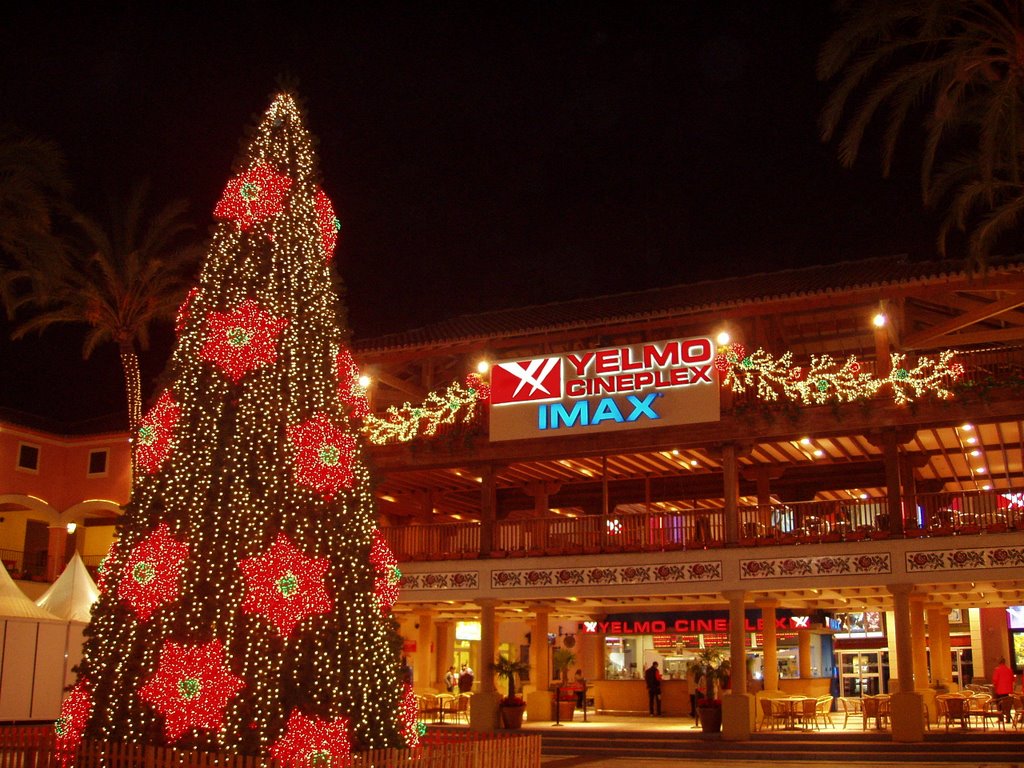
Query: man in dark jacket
{"points": [[652, 676]]}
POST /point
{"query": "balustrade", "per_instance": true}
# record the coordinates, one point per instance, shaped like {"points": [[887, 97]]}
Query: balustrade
{"points": [[938, 514]]}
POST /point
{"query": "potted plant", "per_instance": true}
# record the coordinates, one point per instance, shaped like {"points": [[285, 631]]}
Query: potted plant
{"points": [[561, 660], [712, 669], [512, 706]]}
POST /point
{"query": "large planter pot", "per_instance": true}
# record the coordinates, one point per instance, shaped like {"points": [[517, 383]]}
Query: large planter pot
{"points": [[512, 715], [565, 709], [710, 719]]}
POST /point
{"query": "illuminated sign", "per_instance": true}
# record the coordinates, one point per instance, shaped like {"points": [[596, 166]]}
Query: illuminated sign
{"points": [[656, 384], [467, 630], [687, 625]]}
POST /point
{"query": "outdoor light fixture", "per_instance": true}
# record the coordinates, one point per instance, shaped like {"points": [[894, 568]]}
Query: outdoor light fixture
{"points": [[879, 320], [364, 381], [723, 338], [483, 366], [72, 527]]}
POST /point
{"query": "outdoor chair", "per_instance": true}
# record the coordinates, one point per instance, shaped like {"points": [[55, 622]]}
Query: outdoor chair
{"points": [[458, 709], [774, 713], [850, 706], [954, 709], [824, 710], [979, 706]]}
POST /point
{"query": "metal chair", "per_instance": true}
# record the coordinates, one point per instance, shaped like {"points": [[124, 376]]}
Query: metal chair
{"points": [[824, 711], [771, 716], [954, 709]]}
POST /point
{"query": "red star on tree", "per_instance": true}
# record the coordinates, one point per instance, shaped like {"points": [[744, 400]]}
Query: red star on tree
{"points": [[311, 742], [242, 340], [74, 715], [151, 574], [328, 222], [323, 455], [191, 687], [285, 585], [155, 437], [350, 391], [253, 196]]}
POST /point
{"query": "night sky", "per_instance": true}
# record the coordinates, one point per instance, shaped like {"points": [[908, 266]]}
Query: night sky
{"points": [[479, 157]]}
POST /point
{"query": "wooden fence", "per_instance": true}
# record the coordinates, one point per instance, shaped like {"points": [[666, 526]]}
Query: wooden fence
{"points": [[34, 747]]}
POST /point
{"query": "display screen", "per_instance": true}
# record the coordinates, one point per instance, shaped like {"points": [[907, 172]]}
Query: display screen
{"points": [[1015, 617]]}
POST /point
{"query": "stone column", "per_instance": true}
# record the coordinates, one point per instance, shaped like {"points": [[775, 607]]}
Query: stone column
{"points": [[906, 706], [55, 551], [445, 656], [771, 644], [920, 641], [488, 509], [737, 705], [483, 709], [803, 648], [538, 702], [731, 483], [424, 676], [938, 641], [893, 487]]}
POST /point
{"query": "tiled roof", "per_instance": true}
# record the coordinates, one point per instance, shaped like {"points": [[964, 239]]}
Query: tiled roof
{"points": [[678, 299]]}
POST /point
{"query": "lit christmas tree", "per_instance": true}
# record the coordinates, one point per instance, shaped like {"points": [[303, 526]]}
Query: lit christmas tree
{"points": [[246, 606]]}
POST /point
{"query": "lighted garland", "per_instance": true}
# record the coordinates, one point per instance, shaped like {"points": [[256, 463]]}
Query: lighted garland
{"points": [[311, 742], [151, 574], [409, 422], [827, 380], [242, 340], [191, 687], [285, 585]]}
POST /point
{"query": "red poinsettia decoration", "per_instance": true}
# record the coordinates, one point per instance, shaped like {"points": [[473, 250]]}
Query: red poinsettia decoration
{"points": [[385, 586], [74, 715], [191, 687], [242, 340], [155, 438], [475, 382], [381, 557], [152, 571], [323, 455], [285, 585], [328, 222], [311, 741], [253, 196], [350, 391], [408, 718]]}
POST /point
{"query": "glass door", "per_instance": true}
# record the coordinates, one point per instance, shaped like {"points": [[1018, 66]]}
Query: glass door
{"points": [[862, 672]]}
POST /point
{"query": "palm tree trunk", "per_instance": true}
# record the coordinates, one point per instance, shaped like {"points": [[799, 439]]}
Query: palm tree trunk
{"points": [[133, 393]]}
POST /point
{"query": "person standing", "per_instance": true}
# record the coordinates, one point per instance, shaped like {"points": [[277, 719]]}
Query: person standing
{"points": [[450, 679], [465, 679], [1002, 683], [652, 676]]}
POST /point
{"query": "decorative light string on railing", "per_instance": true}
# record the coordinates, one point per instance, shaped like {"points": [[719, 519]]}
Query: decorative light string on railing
{"points": [[827, 380]]}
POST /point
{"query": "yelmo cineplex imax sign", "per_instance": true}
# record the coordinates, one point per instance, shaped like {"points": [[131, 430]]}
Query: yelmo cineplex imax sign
{"points": [[655, 384]]}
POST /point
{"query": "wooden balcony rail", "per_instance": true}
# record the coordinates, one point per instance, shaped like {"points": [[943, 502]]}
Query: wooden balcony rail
{"points": [[935, 514]]}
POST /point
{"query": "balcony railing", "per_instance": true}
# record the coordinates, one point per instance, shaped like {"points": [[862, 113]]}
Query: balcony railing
{"points": [[940, 514]]}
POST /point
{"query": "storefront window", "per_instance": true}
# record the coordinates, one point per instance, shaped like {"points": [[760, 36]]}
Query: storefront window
{"points": [[621, 654]]}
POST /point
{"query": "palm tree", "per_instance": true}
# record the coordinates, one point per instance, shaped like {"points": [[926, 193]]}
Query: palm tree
{"points": [[32, 186], [961, 63], [117, 281]]}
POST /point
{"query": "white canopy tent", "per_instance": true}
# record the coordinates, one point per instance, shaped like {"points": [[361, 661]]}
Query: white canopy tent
{"points": [[72, 595], [33, 653]]}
